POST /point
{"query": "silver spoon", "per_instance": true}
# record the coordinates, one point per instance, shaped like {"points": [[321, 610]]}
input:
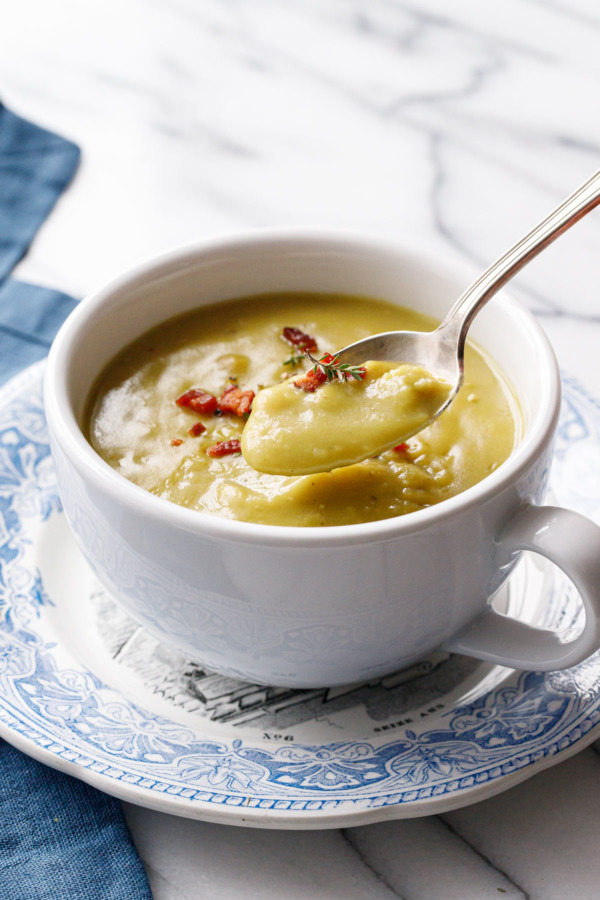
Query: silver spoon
{"points": [[442, 351]]}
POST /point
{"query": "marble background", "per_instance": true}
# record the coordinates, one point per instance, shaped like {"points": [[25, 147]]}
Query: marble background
{"points": [[455, 125]]}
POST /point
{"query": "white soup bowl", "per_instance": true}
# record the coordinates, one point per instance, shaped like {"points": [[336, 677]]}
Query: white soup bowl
{"points": [[311, 606]]}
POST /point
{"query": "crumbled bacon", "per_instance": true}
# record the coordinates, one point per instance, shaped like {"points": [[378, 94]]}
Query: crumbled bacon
{"points": [[197, 429], [235, 400], [298, 338], [198, 400], [311, 380], [176, 442], [225, 448]]}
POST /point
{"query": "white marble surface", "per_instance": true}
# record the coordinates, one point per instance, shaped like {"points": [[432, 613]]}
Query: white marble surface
{"points": [[457, 125]]}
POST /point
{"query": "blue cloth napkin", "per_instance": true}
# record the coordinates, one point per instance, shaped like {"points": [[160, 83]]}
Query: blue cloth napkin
{"points": [[60, 839], [30, 316], [35, 168]]}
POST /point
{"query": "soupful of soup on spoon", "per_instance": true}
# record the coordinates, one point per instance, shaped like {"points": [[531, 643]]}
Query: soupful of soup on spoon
{"points": [[377, 392]]}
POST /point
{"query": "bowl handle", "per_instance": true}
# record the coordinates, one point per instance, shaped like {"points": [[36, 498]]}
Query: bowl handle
{"points": [[572, 542]]}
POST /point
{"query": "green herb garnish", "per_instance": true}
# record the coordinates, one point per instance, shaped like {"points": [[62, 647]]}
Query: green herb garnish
{"points": [[334, 370]]}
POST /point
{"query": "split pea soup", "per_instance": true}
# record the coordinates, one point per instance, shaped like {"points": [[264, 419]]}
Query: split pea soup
{"points": [[169, 412]]}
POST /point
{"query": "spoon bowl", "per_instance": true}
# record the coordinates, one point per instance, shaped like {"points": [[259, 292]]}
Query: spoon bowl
{"points": [[433, 350]]}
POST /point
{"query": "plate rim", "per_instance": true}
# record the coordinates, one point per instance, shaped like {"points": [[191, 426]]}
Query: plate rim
{"points": [[315, 820]]}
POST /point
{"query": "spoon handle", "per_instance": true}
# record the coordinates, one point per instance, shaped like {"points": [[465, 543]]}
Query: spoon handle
{"points": [[577, 205]]}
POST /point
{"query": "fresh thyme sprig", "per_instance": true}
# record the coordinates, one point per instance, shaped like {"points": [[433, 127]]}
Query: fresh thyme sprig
{"points": [[334, 370], [295, 358]]}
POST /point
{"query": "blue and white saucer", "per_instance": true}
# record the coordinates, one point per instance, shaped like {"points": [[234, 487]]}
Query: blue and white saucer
{"points": [[84, 689]]}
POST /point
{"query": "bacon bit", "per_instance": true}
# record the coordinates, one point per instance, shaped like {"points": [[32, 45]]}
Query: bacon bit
{"points": [[235, 400], [311, 380], [299, 339], [197, 429], [176, 442], [198, 400], [225, 448], [401, 448]]}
